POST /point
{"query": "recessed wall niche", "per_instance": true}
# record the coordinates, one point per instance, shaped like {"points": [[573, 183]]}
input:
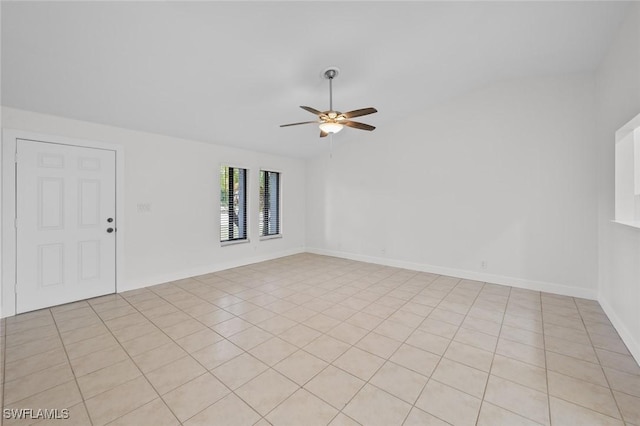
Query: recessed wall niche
{"points": [[627, 169]]}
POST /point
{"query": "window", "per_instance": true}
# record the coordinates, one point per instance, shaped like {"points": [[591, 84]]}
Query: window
{"points": [[269, 220], [233, 204]]}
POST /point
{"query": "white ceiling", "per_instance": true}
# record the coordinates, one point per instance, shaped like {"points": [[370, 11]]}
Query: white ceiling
{"points": [[231, 72]]}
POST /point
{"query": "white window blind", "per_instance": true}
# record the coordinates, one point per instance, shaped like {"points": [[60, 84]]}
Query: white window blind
{"points": [[269, 220], [233, 204]]}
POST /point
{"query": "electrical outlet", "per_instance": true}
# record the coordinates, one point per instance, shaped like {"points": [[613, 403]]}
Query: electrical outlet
{"points": [[483, 264]]}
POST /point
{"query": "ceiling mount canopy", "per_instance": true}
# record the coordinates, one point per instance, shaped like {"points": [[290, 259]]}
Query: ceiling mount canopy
{"points": [[332, 121]]}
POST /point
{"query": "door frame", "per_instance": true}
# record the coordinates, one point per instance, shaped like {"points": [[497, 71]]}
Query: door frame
{"points": [[8, 248]]}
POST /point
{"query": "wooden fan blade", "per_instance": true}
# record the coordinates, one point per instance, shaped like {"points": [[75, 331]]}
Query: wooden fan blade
{"points": [[323, 134], [297, 124], [357, 125], [311, 110], [359, 112]]}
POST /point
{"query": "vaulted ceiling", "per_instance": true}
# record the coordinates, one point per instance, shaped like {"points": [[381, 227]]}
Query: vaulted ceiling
{"points": [[231, 72]]}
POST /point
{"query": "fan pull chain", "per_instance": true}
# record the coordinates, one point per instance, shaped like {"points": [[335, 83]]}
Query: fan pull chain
{"points": [[330, 145]]}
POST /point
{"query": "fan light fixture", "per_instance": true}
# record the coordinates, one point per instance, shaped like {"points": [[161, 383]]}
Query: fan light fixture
{"points": [[332, 121], [329, 127]]}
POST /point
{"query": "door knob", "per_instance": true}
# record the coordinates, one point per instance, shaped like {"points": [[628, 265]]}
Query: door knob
{"points": [[110, 220], [109, 230]]}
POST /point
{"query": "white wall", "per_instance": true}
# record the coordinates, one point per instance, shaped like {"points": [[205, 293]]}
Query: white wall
{"points": [[504, 175], [180, 179], [618, 101]]}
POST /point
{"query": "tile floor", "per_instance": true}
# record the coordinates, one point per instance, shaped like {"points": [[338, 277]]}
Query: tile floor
{"points": [[308, 339]]}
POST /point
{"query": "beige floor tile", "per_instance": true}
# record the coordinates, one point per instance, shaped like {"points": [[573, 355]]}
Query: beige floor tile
{"points": [[278, 324], [418, 417], [576, 368], [250, 338], [65, 395], [266, 391], [372, 406], [334, 386], [521, 352], [120, 400], [519, 399], [31, 335], [623, 382], [609, 343], [566, 413], [449, 404], [174, 374], [26, 386], [347, 333], [145, 343], [107, 378], [126, 321], [83, 333], [216, 317], [484, 326], [629, 406], [230, 327], [447, 316], [137, 330], [378, 344], [364, 320], [327, 348], [469, 355], [523, 322], [97, 360], [570, 334], [576, 350], [440, 328], [36, 347], [461, 377], [194, 396], [154, 413], [492, 415], [359, 363], [273, 351], [184, 328], [321, 322], [302, 408], [229, 411], [158, 357], [214, 355], [300, 367], [618, 361], [394, 330], [300, 335], [399, 381], [415, 359], [579, 392], [477, 339], [429, 342], [239, 370], [520, 372], [343, 420], [23, 367]]}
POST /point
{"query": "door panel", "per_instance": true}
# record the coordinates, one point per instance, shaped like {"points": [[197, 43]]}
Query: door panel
{"points": [[65, 194]]}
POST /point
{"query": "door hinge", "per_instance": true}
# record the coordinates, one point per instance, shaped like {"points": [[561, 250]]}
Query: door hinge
{"points": [[15, 223], [16, 158]]}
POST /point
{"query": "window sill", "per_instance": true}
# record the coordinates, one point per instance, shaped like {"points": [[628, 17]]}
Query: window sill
{"points": [[233, 242], [270, 237], [630, 223]]}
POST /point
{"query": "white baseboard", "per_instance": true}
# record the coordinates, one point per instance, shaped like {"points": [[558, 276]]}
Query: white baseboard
{"points": [[627, 337], [564, 290], [187, 273]]}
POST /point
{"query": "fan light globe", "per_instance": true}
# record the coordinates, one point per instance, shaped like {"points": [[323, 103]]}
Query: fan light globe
{"points": [[331, 127]]}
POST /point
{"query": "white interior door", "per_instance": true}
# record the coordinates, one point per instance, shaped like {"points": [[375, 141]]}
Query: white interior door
{"points": [[65, 209]]}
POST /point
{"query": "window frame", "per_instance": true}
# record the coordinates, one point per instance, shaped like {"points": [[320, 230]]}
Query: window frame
{"points": [[261, 223], [246, 216]]}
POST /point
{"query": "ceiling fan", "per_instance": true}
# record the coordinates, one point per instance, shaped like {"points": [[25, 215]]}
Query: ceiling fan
{"points": [[333, 121]]}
